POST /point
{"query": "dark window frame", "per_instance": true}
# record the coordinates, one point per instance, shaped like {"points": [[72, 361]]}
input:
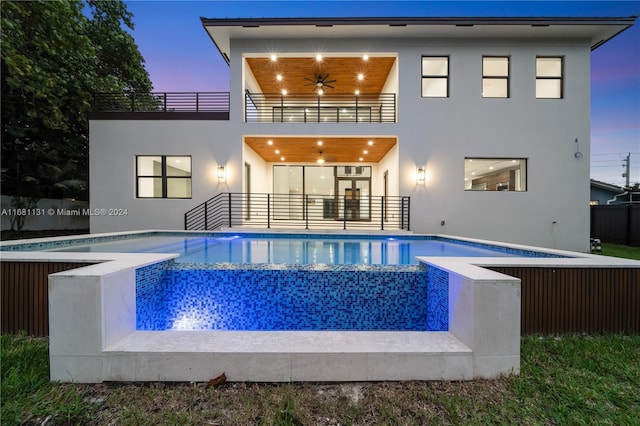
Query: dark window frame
{"points": [[445, 77], [520, 159], [496, 77], [164, 176], [561, 78]]}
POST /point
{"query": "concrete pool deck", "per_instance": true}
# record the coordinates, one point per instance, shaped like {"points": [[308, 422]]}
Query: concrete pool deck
{"points": [[93, 336]]}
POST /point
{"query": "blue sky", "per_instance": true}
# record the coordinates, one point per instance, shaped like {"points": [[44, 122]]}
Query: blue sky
{"points": [[180, 56]]}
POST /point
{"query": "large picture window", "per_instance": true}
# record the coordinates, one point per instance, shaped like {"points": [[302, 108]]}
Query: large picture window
{"points": [[495, 77], [435, 76], [549, 78], [163, 176], [495, 174]]}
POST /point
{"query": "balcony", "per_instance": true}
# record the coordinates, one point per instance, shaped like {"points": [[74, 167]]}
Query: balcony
{"points": [[312, 108], [168, 105]]}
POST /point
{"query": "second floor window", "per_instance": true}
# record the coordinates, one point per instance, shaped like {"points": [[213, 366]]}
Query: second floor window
{"points": [[548, 78], [163, 176], [435, 76], [495, 77]]}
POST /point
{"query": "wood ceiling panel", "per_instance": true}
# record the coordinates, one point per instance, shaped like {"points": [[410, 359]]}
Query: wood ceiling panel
{"points": [[344, 70], [334, 149]]}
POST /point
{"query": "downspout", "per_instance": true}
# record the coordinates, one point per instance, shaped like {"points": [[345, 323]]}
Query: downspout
{"points": [[616, 196]]}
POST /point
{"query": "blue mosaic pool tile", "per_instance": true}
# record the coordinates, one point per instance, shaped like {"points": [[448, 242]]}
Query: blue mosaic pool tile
{"points": [[437, 299], [150, 294], [291, 298]]}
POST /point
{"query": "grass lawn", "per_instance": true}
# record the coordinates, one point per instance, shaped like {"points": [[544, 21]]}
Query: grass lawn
{"points": [[574, 379], [617, 250]]}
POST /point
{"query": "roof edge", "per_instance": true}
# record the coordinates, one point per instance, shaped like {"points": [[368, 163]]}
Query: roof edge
{"points": [[253, 22]]}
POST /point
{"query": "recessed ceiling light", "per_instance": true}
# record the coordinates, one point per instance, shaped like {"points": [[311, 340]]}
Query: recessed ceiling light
{"points": [[281, 158], [277, 151], [360, 76], [279, 77], [269, 142], [319, 143], [365, 57], [318, 57], [274, 57], [490, 167], [357, 92], [284, 92], [370, 143], [365, 152], [361, 159]]}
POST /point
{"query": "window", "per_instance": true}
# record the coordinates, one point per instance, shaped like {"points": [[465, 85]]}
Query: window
{"points": [[163, 176], [495, 174], [495, 77], [549, 78], [435, 76]]}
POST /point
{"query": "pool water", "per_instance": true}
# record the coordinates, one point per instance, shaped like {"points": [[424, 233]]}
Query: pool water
{"points": [[299, 250]]}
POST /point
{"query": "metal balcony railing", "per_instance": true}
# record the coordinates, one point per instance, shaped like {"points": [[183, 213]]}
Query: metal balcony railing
{"points": [[299, 211], [161, 102], [327, 108]]}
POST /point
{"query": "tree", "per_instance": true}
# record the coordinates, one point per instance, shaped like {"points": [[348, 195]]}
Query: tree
{"points": [[55, 56]]}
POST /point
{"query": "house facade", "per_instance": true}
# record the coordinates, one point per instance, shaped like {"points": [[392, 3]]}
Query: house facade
{"points": [[471, 127]]}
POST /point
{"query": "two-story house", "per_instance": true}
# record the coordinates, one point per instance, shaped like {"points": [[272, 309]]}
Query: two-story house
{"points": [[477, 127]]}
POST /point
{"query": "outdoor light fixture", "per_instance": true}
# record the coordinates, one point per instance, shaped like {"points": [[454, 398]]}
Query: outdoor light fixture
{"points": [[221, 174], [420, 175]]}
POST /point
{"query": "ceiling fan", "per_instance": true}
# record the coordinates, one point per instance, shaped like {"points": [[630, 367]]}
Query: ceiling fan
{"points": [[320, 82]]}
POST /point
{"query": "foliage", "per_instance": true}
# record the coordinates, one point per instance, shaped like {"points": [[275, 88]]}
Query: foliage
{"points": [[573, 379], [19, 203], [55, 55]]}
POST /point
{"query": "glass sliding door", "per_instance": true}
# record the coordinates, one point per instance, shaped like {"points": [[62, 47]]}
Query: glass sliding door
{"points": [[328, 191]]}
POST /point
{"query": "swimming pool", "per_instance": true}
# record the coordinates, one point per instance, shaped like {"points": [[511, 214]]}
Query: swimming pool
{"points": [[277, 282], [463, 321], [296, 249]]}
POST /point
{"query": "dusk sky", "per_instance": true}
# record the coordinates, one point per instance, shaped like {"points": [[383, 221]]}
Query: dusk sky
{"points": [[180, 56]]}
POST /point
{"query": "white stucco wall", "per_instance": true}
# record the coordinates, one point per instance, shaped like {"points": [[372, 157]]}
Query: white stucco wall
{"points": [[113, 149], [438, 133]]}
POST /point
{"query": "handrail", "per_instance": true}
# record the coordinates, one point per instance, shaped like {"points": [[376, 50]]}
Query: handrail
{"points": [[161, 102], [313, 108], [228, 209]]}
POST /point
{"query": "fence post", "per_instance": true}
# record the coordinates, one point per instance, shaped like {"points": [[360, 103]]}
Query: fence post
{"points": [[408, 214], [197, 101], [165, 103], [382, 213], [268, 211], [305, 210], [133, 107], [344, 213], [206, 214], [229, 210], [356, 108], [282, 108]]}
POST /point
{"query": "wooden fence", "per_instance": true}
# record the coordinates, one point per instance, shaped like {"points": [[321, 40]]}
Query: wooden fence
{"points": [[617, 224], [25, 295], [578, 300]]}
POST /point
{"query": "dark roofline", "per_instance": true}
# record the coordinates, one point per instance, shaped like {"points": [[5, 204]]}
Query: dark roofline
{"points": [[404, 21], [255, 22]]}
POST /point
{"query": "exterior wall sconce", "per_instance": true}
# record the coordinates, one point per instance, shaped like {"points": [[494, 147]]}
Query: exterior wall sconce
{"points": [[420, 175], [222, 176]]}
